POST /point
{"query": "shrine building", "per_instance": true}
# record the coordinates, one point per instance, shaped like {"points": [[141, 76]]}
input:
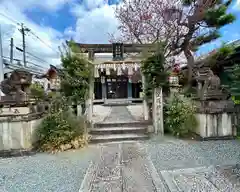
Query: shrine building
{"points": [[118, 77]]}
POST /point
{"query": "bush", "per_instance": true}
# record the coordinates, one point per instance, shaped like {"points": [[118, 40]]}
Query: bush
{"points": [[180, 117], [37, 91], [61, 131]]}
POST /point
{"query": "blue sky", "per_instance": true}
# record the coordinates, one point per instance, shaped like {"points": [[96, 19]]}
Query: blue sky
{"points": [[86, 21]]}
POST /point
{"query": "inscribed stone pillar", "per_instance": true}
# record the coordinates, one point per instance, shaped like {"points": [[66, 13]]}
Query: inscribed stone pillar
{"points": [[145, 106], [158, 111]]}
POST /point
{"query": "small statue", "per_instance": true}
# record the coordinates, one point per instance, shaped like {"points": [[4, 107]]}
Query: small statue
{"points": [[212, 87], [17, 85], [213, 81]]}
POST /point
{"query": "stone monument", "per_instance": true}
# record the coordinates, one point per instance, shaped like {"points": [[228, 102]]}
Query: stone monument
{"points": [[17, 86], [215, 109]]}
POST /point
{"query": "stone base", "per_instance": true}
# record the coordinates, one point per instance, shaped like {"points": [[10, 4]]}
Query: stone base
{"points": [[215, 125], [17, 134]]}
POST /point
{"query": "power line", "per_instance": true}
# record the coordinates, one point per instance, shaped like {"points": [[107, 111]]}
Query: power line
{"points": [[19, 60], [36, 65], [43, 41], [38, 58], [21, 50], [9, 18], [13, 58]]}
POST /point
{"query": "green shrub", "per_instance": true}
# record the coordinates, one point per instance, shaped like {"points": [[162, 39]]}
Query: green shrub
{"points": [[37, 91], [60, 131], [179, 116]]}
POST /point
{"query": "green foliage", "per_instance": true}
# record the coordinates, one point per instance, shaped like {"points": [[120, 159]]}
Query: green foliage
{"points": [[37, 91], [215, 17], [53, 94], [234, 86], [155, 75], [205, 20], [220, 56], [236, 100], [179, 116], [75, 78], [60, 131]]}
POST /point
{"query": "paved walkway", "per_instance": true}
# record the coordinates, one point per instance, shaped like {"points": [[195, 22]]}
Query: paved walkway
{"points": [[119, 114], [121, 167]]}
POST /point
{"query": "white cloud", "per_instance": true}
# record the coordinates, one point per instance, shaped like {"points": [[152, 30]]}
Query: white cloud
{"points": [[235, 6], [51, 38], [95, 25], [78, 10]]}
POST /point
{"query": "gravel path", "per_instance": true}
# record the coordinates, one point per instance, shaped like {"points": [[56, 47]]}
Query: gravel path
{"points": [[61, 172], [170, 153], [196, 166]]}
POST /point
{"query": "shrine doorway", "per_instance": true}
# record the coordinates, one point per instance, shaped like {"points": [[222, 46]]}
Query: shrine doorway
{"points": [[136, 89], [117, 87], [98, 88]]}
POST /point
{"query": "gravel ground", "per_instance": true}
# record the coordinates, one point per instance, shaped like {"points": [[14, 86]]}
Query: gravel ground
{"points": [[61, 172], [169, 153]]}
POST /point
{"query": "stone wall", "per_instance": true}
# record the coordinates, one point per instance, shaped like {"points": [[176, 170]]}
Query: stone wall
{"points": [[17, 125], [17, 134], [215, 125]]}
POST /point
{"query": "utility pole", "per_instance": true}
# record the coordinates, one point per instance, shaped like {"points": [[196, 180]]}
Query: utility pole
{"points": [[1, 63], [11, 51], [23, 30]]}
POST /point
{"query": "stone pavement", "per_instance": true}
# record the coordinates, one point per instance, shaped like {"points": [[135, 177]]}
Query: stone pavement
{"points": [[100, 113], [121, 167], [119, 114], [127, 167]]}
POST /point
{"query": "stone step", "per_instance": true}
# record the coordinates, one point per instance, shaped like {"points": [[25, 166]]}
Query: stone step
{"points": [[123, 124], [117, 137], [117, 130], [118, 104]]}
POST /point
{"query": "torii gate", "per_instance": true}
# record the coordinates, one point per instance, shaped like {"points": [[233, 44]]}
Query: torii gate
{"points": [[118, 49]]}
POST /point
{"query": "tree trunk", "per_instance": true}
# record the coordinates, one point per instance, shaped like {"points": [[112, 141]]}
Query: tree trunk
{"points": [[190, 63]]}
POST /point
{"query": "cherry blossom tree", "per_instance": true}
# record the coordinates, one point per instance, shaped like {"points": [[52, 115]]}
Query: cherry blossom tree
{"points": [[183, 25]]}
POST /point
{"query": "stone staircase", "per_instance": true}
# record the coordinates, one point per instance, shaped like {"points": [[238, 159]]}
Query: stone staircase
{"points": [[119, 126], [108, 132]]}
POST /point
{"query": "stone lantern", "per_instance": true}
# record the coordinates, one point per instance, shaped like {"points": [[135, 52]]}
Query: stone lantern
{"points": [[174, 79]]}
